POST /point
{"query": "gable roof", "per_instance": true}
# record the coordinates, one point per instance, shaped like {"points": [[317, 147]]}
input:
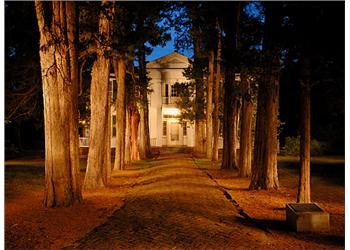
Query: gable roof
{"points": [[172, 60]]}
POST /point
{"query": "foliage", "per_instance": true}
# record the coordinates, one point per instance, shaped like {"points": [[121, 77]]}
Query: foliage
{"points": [[292, 146], [186, 103]]}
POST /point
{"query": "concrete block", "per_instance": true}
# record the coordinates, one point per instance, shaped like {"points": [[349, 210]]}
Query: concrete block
{"points": [[307, 217]]}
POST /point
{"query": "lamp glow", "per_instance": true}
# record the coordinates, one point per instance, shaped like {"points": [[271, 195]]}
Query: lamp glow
{"points": [[172, 111]]}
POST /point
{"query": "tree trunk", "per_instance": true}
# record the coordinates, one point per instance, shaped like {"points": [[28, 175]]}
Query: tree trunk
{"points": [[99, 164], [264, 171], [236, 129], [245, 156], [145, 144], [231, 101], [216, 120], [199, 143], [120, 69], [304, 192], [74, 115], [58, 61], [127, 137], [231, 111], [209, 125], [264, 175], [134, 124], [199, 147]]}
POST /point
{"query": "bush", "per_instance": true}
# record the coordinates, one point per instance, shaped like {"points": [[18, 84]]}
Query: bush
{"points": [[292, 146]]}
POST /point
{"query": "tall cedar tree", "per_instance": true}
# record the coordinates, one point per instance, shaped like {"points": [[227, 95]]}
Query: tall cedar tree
{"points": [[264, 171], [123, 57], [304, 188], [305, 35], [145, 144], [245, 156], [231, 98], [209, 110], [147, 31], [120, 73], [99, 158], [59, 71], [217, 88], [133, 118], [194, 13]]}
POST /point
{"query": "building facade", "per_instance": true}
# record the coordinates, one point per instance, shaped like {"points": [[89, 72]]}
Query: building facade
{"points": [[165, 127]]}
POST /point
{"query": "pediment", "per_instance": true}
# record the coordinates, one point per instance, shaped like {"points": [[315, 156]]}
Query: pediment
{"points": [[175, 61], [170, 59]]}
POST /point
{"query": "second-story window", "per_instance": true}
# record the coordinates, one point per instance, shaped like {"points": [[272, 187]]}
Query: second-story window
{"points": [[173, 90]]}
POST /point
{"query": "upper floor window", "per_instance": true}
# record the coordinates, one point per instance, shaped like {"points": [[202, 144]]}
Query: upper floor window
{"points": [[173, 91]]}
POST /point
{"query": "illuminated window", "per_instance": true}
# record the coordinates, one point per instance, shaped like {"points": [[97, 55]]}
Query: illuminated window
{"points": [[173, 90], [164, 128]]}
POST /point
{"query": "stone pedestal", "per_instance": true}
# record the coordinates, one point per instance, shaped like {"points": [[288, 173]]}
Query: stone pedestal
{"points": [[307, 217]]}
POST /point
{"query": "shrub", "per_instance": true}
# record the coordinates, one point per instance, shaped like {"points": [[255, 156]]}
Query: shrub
{"points": [[292, 146]]}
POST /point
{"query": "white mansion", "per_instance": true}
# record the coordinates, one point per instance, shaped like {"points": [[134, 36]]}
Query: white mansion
{"points": [[165, 128]]}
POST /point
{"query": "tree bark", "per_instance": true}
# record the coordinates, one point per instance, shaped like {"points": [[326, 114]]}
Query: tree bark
{"points": [[127, 136], [264, 171], [58, 59], [209, 115], [199, 143], [120, 68], [231, 111], [264, 175], [216, 120], [304, 192], [134, 124], [231, 101], [199, 147], [99, 162], [245, 156], [145, 144]]}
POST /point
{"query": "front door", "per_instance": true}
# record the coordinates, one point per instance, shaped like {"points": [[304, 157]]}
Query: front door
{"points": [[174, 134]]}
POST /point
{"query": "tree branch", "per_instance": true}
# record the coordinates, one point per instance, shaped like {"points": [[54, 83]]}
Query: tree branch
{"points": [[91, 49]]}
